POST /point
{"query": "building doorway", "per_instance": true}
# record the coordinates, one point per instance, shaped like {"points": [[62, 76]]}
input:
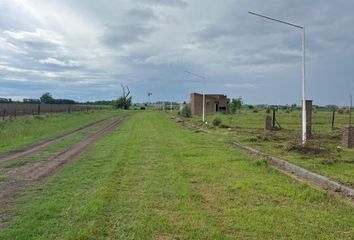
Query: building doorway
{"points": [[216, 107]]}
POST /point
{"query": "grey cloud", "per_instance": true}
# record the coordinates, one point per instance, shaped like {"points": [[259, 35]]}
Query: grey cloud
{"points": [[37, 36], [141, 14], [116, 36], [56, 62], [240, 53], [169, 3]]}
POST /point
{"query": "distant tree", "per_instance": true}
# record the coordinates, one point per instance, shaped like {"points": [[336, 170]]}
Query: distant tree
{"points": [[46, 98], [125, 101], [236, 104], [31, 100], [6, 100]]}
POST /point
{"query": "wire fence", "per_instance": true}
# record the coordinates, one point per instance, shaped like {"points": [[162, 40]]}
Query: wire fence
{"points": [[20, 109]]}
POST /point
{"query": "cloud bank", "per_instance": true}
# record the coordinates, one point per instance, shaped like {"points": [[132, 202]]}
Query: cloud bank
{"points": [[85, 49]]}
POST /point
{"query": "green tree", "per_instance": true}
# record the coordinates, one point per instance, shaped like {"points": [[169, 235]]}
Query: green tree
{"points": [[236, 104], [46, 98]]}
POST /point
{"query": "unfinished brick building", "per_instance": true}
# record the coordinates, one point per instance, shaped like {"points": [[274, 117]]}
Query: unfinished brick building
{"points": [[213, 103]]}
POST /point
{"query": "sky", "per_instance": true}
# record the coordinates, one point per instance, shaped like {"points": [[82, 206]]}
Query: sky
{"points": [[85, 49]]}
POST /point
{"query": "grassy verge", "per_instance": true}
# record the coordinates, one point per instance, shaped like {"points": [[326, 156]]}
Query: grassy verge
{"points": [[323, 155], [54, 148], [26, 130], [153, 179]]}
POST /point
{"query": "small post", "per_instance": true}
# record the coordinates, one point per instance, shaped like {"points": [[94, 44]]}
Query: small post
{"points": [[308, 104], [350, 110], [273, 125], [267, 123], [333, 116], [15, 113], [4, 114], [39, 110]]}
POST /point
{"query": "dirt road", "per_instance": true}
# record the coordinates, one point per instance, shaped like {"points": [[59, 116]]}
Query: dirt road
{"points": [[19, 177]]}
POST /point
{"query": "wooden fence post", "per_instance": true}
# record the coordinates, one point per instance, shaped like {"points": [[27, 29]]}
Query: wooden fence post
{"points": [[273, 118], [333, 115], [39, 109]]}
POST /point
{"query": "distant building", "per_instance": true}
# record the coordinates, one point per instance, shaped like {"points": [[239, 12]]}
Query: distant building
{"points": [[213, 103]]}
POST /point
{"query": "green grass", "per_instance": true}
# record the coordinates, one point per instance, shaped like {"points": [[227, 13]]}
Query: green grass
{"points": [[26, 130], [248, 129], [154, 179], [2, 178], [54, 148]]}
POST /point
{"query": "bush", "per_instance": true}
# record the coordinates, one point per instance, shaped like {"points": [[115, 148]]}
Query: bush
{"points": [[216, 121], [123, 103], [186, 111], [142, 108], [255, 110], [236, 104], [268, 110]]}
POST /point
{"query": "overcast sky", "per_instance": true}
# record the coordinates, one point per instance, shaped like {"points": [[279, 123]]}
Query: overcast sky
{"points": [[84, 49]]}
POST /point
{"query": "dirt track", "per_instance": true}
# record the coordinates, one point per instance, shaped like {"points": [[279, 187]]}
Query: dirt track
{"points": [[36, 147], [21, 176]]}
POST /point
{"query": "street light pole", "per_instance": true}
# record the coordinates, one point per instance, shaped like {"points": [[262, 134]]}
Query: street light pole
{"points": [[202, 77], [303, 69], [304, 123]]}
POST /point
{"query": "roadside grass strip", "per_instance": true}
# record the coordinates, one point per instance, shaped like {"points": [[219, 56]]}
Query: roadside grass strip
{"points": [[324, 156], [26, 130], [53, 148]]}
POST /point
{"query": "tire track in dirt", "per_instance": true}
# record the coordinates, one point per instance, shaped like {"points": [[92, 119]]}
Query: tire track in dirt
{"points": [[24, 175], [36, 147]]}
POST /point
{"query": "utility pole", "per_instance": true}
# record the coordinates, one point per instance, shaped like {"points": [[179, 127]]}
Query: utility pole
{"points": [[303, 69]]}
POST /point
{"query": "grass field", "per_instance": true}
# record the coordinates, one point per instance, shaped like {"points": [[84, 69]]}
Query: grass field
{"points": [[52, 149], [323, 156], [26, 130], [154, 179]]}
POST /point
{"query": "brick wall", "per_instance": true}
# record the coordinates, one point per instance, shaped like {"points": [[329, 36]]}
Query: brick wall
{"points": [[196, 104], [210, 100], [348, 137], [268, 123], [308, 119]]}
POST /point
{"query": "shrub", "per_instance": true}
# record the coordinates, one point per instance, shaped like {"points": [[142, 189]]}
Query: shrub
{"points": [[186, 111], [255, 110], [236, 104], [268, 110], [216, 121]]}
